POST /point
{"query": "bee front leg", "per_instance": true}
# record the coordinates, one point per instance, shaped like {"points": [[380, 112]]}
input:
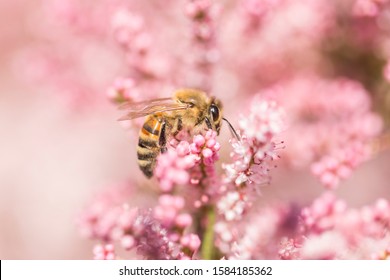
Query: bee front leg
{"points": [[162, 141], [208, 123]]}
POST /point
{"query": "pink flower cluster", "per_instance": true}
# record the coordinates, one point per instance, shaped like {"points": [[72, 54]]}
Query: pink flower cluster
{"points": [[98, 220], [256, 10], [327, 229], [144, 232], [169, 212], [148, 70], [332, 130], [254, 152], [180, 166], [203, 15], [328, 213], [256, 235], [355, 233], [110, 220], [252, 157], [122, 90], [172, 167], [160, 233], [157, 235], [129, 31], [68, 51], [331, 169], [368, 8], [104, 252]]}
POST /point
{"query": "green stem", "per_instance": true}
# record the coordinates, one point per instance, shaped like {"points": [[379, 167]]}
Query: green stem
{"points": [[208, 250]]}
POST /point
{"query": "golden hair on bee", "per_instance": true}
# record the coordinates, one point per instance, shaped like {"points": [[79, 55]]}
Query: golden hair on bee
{"points": [[189, 110]]}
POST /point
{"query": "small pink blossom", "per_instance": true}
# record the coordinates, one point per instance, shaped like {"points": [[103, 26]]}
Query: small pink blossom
{"points": [[172, 167], [179, 165], [318, 247], [168, 209], [128, 28], [253, 237], [320, 216], [232, 205], [104, 252], [191, 242], [183, 220], [365, 8], [128, 242], [202, 14], [123, 89], [207, 148], [289, 249], [332, 169], [265, 121], [153, 242]]}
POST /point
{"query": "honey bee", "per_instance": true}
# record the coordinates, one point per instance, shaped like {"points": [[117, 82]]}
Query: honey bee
{"points": [[189, 109]]}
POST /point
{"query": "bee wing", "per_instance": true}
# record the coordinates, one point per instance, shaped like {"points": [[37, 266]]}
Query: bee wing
{"points": [[148, 107], [135, 106]]}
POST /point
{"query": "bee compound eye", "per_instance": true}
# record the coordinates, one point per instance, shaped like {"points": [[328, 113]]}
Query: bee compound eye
{"points": [[214, 111]]}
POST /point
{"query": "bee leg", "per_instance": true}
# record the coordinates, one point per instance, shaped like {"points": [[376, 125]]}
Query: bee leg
{"points": [[162, 141], [208, 123], [178, 128]]}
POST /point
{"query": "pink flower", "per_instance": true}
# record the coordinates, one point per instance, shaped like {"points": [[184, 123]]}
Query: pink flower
{"points": [[168, 211], [254, 152], [172, 167], [153, 242], [202, 14], [180, 164], [100, 217], [290, 249], [122, 90], [368, 8], [321, 215], [332, 169], [332, 130], [355, 233], [232, 205], [191, 241], [128, 242], [206, 147], [127, 28], [318, 247], [252, 237], [105, 252]]}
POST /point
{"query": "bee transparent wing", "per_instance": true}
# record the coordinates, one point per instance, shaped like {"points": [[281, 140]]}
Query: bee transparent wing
{"points": [[135, 106], [148, 107]]}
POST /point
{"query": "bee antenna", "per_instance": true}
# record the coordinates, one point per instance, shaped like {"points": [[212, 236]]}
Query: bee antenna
{"points": [[232, 130]]}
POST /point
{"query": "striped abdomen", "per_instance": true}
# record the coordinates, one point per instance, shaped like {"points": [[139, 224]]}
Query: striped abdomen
{"points": [[151, 142]]}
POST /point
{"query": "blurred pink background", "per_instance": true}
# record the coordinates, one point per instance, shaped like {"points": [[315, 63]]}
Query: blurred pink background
{"points": [[53, 160]]}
